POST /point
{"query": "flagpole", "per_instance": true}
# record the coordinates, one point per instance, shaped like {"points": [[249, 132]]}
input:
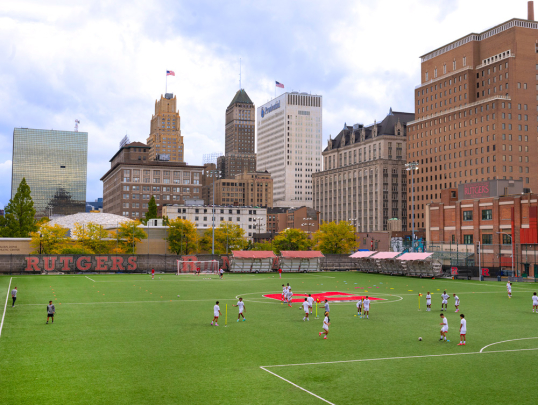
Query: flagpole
{"points": [[166, 86]]}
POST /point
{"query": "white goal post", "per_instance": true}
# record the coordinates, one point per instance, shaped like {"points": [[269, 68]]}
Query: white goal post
{"points": [[202, 266]]}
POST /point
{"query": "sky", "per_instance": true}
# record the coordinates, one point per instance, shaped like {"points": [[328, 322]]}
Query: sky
{"points": [[104, 63]]}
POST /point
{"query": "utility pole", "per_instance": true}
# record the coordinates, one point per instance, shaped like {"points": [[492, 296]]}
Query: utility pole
{"points": [[412, 166]]}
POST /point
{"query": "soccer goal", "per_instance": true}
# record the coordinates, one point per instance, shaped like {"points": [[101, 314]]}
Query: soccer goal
{"points": [[202, 266]]}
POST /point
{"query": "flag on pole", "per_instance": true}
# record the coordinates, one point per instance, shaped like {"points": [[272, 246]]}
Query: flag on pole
{"points": [[279, 85], [170, 73]]}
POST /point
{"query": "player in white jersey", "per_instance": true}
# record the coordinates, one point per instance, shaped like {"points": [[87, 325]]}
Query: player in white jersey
{"points": [[456, 302], [428, 301], [284, 293], [216, 313], [444, 301], [463, 330], [535, 303], [366, 304], [326, 323], [444, 328], [241, 306], [290, 295], [509, 289], [306, 307], [310, 302], [359, 307]]}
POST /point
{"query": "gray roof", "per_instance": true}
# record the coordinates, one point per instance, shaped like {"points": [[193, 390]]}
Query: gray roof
{"points": [[385, 127], [241, 97]]}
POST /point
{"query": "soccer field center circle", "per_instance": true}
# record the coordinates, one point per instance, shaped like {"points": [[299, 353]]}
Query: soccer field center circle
{"points": [[334, 297]]}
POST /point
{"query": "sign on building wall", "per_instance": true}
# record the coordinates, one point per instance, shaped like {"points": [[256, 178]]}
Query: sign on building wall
{"points": [[474, 190], [81, 263]]}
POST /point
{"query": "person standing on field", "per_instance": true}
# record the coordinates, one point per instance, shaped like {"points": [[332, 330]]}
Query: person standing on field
{"points": [[359, 307], [310, 302], [241, 306], [456, 303], [463, 330], [444, 302], [221, 273], [14, 296], [279, 272], [306, 307], [326, 306], [509, 289], [444, 328], [366, 304], [216, 314], [326, 323], [50, 311], [535, 303], [152, 274], [428, 302]]}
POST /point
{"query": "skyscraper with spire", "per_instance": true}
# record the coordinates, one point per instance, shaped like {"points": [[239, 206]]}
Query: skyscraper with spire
{"points": [[239, 155]]}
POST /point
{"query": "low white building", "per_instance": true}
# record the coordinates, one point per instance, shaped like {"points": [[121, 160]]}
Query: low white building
{"points": [[251, 219]]}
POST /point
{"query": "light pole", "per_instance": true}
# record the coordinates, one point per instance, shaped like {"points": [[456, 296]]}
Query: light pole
{"points": [[412, 166], [512, 248], [259, 219], [214, 174]]}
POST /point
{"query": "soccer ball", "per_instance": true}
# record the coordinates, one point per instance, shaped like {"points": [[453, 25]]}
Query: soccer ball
{"points": [[178, 297], [420, 339]]}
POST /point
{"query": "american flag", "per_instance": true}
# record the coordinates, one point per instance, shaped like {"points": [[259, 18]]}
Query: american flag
{"points": [[279, 85], [170, 73]]}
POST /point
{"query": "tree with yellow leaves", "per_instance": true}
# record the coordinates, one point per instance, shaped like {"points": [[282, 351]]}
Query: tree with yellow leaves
{"points": [[49, 239], [182, 236], [128, 235], [91, 236], [335, 238]]}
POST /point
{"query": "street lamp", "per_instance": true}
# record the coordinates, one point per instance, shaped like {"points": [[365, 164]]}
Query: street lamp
{"points": [[412, 166], [40, 238], [213, 173], [512, 247]]}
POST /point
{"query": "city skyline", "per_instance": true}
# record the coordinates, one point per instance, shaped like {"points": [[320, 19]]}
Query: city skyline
{"points": [[106, 66]]}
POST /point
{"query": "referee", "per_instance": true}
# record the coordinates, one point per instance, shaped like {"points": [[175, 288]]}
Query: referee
{"points": [[14, 296]]}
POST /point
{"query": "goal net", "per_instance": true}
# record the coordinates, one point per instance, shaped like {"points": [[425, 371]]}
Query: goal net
{"points": [[209, 266]]}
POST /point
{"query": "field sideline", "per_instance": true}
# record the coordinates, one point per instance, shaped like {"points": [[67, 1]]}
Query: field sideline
{"points": [[127, 339]]}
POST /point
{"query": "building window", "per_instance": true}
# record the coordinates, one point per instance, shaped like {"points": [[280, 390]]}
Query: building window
{"points": [[487, 214], [467, 215], [467, 239], [487, 239], [507, 239]]}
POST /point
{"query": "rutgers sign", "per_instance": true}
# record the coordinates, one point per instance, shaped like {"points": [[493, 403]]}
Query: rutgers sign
{"points": [[81, 263]]}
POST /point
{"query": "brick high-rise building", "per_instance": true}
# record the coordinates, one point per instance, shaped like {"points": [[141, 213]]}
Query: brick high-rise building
{"points": [[239, 147], [165, 140], [475, 113]]}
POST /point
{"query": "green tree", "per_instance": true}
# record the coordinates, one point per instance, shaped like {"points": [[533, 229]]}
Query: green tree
{"points": [[128, 235], [20, 213], [336, 238], [291, 239], [228, 237], [182, 236], [49, 239], [264, 246], [152, 210], [91, 236]]}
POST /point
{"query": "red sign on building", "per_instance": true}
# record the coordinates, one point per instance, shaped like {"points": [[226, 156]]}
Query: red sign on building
{"points": [[454, 271], [476, 190]]}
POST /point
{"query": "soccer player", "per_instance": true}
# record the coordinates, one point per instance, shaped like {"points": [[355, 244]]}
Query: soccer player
{"points": [[428, 302], [306, 307], [216, 313], [456, 302], [509, 289], [326, 306], [359, 307], [310, 302], [152, 274], [444, 302], [241, 306], [535, 303], [366, 304], [198, 270], [50, 311], [284, 293], [326, 323], [14, 296], [290, 295], [279, 272], [444, 328], [463, 330], [221, 273]]}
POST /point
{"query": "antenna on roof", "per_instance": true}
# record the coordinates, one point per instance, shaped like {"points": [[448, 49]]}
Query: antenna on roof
{"points": [[76, 125], [239, 73]]}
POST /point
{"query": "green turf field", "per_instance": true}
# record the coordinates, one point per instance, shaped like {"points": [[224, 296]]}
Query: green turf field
{"points": [[127, 339]]}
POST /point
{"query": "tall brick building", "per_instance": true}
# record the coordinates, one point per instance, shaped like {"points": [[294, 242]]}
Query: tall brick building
{"points": [[239, 144], [475, 113], [165, 140]]}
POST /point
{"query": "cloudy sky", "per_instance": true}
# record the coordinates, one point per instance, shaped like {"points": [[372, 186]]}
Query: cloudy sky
{"points": [[104, 63]]}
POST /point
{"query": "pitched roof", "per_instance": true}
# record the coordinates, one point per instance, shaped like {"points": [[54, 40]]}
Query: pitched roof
{"points": [[308, 254], [362, 254], [385, 127], [414, 256], [253, 254], [241, 97]]}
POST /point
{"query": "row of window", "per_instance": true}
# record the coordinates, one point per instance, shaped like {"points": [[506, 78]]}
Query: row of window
{"points": [[487, 239]]}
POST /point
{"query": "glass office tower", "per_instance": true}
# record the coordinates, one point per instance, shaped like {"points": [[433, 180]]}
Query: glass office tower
{"points": [[54, 164]]}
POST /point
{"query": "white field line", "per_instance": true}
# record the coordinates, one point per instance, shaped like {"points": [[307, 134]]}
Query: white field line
{"points": [[503, 341], [403, 357], [90, 278], [5, 306], [135, 302], [295, 385]]}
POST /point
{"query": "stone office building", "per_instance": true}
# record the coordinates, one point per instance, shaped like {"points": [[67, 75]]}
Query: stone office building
{"points": [[364, 176]]}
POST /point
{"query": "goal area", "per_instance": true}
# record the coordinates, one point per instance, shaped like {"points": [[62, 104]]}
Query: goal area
{"points": [[202, 266]]}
